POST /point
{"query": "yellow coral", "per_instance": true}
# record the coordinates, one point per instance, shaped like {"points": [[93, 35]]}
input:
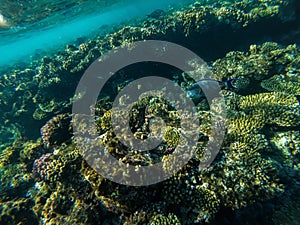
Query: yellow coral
{"points": [[171, 137], [283, 83], [274, 107]]}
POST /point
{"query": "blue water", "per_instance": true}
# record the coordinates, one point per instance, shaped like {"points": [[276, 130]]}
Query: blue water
{"points": [[27, 42]]}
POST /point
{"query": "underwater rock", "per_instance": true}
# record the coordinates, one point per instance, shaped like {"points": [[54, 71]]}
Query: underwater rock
{"points": [[287, 209], [3, 22], [288, 144]]}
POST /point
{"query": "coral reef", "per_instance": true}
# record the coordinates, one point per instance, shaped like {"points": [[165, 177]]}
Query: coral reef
{"points": [[49, 181], [32, 91], [241, 174], [283, 83], [18, 212], [161, 220]]}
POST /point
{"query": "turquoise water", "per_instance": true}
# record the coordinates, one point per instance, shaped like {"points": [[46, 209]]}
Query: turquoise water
{"points": [[20, 42], [242, 80]]}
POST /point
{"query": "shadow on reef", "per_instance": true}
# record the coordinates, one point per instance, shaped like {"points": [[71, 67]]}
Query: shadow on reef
{"points": [[258, 164]]}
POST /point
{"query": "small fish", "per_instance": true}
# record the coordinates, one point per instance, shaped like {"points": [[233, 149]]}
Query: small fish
{"points": [[239, 83], [196, 93], [211, 87]]}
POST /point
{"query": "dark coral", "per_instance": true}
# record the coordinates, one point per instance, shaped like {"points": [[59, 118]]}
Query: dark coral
{"points": [[57, 130], [18, 212], [40, 166]]}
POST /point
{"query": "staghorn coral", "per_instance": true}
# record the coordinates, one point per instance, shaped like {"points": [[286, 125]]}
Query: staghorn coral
{"points": [[279, 108], [160, 219], [283, 83], [262, 109]]}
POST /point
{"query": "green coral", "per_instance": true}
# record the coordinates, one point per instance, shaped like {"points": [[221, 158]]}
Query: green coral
{"points": [[258, 64], [283, 83], [160, 219], [288, 144], [171, 137]]}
